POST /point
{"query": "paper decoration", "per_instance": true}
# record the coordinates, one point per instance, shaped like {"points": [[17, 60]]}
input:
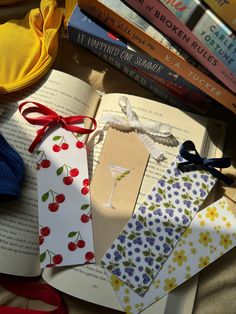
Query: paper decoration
{"points": [[115, 186], [210, 235], [65, 226], [147, 240]]}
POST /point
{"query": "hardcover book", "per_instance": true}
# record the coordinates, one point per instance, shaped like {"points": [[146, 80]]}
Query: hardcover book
{"points": [[117, 16], [19, 233]]}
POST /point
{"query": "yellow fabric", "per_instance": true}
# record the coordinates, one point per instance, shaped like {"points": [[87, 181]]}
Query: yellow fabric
{"points": [[29, 46]]}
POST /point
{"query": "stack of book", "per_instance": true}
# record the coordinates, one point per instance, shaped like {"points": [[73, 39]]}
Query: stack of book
{"points": [[180, 50]]}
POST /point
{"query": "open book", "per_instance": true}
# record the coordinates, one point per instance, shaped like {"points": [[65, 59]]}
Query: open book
{"points": [[68, 96]]}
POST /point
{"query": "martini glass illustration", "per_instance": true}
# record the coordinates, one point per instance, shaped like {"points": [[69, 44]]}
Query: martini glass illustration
{"points": [[117, 173]]}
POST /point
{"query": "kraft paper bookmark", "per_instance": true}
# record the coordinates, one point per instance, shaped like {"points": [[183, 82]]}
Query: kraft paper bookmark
{"points": [[65, 226], [115, 186], [211, 234], [151, 234]]}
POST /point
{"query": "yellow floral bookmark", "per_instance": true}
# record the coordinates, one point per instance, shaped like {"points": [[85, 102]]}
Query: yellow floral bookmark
{"points": [[210, 235]]}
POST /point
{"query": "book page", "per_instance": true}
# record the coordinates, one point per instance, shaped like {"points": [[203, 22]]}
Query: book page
{"points": [[18, 219], [89, 282]]}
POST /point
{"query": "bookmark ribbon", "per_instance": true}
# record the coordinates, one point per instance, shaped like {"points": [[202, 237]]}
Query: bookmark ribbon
{"points": [[148, 134], [157, 128], [151, 234], [188, 151], [210, 235], [50, 119]]}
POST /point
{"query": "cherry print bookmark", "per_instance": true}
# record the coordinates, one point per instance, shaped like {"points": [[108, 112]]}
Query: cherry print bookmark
{"points": [[151, 234], [63, 185], [65, 226]]}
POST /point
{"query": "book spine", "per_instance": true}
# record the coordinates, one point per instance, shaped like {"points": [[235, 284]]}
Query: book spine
{"points": [[130, 71], [148, 44], [146, 82], [163, 93], [157, 14], [211, 31], [79, 35], [190, 99], [225, 9]]}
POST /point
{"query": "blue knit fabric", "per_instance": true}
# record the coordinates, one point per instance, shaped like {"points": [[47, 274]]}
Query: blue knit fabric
{"points": [[11, 171]]}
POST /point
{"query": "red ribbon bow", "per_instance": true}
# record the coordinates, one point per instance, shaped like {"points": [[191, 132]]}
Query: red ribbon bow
{"points": [[50, 119]]}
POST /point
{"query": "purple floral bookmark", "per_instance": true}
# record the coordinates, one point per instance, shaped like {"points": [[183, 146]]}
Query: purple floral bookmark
{"points": [[152, 232]]}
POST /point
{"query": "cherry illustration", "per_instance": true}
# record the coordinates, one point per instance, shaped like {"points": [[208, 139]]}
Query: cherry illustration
{"points": [[45, 163], [52, 258], [78, 240], [54, 198], [57, 259], [86, 182], [56, 148], [53, 207], [79, 144], [72, 246], [45, 231], [50, 265], [84, 218], [41, 239], [69, 173], [81, 244], [64, 146], [85, 190], [60, 198], [68, 180], [89, 256], [74, 172]]}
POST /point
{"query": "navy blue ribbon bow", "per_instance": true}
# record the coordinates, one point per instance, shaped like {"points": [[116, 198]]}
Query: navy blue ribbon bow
{"points": [[195, 161]]}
